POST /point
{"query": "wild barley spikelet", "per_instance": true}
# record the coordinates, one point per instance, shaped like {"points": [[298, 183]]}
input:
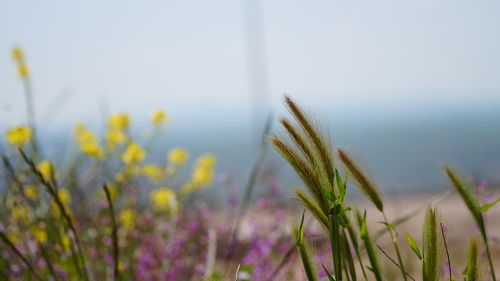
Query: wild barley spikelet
{"points": [[362, 180]]}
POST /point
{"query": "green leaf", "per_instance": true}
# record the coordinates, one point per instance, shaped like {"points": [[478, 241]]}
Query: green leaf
{"points": [[390, 226], [486, 207], [413, 245], [328, 274], [340, 185]]}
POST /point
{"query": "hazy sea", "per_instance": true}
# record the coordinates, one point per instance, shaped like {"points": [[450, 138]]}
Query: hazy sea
{"points": [[403, 154]]}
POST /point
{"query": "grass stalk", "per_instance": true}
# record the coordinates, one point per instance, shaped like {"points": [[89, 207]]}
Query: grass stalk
{"points": [[114, 233], [304, 251], [11, 245], [472, 204], [471, 272], [51, 189]]}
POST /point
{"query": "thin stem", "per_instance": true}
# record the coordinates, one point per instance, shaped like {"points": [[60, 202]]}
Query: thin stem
{"points": [[490, 261], [53, 192], [285, 259], [30, 111], [335, 246], [396, 247], [11, 245], [394, 262], [446, 248], [114, 233]]}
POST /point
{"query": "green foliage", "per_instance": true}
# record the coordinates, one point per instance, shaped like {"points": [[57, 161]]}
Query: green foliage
{"points": [[486, 207], [304, 251], [472, 204], [413, 245], [369, 246]]}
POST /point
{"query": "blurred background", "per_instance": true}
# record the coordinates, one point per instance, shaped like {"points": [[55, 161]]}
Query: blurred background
{"points": [[406, 85]]}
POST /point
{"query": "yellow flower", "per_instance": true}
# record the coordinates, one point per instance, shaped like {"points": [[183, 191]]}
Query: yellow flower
{"points": [[92, 149], [178, 156], [120, 177], [203, 172], [56, 211], [31, 192], [133, 154], [153, 172], [23, 71], [79, 128], [113, 192], [66, 242], [119, 121], [17, 54], [203, 176], [115, 137], [164, 199], [20, 213], [64, 196], [19, 136], [87, 141], [46, 169], [128, 217], [207, 160], [13, 237], [189, 187], [159, 117], [39, 234]]}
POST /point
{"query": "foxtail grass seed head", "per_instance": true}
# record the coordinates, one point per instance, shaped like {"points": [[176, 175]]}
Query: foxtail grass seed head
{"points": [[471, 272], [363, 182], [319, 141], [432, 247], [467, 196]]}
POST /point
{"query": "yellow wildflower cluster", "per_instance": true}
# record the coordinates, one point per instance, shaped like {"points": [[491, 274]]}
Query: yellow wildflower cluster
{"points": [[20, 213], [164, 199], [128, 217], [159, 117], [133, 154], [117, 125], [46, 168], [19, 136], [39, 234], [66, 242], [22, 68], [178, 156], [114, 137], [153, 172], [119, 121], [65, 198], [87, 141], [31, 191], [202, 175]]}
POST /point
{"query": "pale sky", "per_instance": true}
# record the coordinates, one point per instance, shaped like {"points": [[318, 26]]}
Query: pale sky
{"points": [[189, 57]]}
